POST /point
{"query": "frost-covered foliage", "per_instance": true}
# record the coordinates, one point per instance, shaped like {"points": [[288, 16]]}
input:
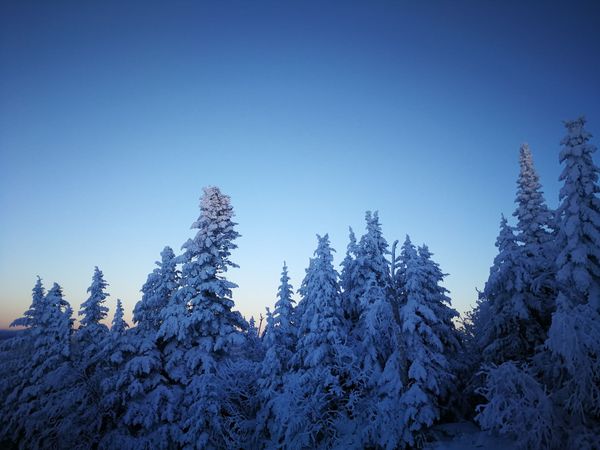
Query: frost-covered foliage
{"points": [[200, 310], [15, 355], [514, 312], [377, 389], [240, 401], [519, 407], [348, 283], [574, 341], [93, 309], [253, 347], [141, 404], [199, 327], [534, 219], [372, 251], [157, 291], [538, 249], [280, 332], [440, 302], [322, 361], [34, 417], [83, 399], [445, 329], [141, 401], [374, 405], [578, 259], [556, 403], [279, 339], [574, 337], [508, 329], [31, 318], [427, 368], [118, 323], [363, 261]]}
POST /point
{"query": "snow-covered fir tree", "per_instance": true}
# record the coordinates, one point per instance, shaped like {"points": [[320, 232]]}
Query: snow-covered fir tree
{"points": [[30, 318], [399, 266], [93, 310], [377, 413], [199, 326], [15, 354], [578, 258], [372, 250], [315, 387], [253, 348], [279, 339], [160, 285], [36, 419], [377, 386], [534, 233], [280, 332], [369, 263], [440, 303], [83, 400], [574, 336], [519, 407], [427, 368], [533, 216], [118, 323], [347, 280], [507, 331], [139, 394]]}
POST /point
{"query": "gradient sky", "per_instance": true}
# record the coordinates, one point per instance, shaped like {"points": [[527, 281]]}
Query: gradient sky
{"points": [[113, 115]]}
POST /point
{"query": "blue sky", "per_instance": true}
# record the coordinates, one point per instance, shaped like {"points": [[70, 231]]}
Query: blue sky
{"points": [[113, 115]]}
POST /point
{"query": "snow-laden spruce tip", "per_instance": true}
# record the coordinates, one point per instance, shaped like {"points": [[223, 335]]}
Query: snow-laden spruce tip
{"points": [[374, 357]]}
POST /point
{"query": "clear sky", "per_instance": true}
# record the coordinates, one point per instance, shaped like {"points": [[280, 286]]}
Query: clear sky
{"points": [[113, 115]]}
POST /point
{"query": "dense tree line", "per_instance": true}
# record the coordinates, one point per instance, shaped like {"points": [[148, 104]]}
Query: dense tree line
{"points": [[535, 332], [370, 357]]}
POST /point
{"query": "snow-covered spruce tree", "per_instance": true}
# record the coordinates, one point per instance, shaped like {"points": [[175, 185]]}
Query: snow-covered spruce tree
{"points": [[440, 303], [372, 250], [199, 328], [369, 264], [534, 233], [253, 348], [140, 397], [518, 407], [427, 367], [315, 388], [85, 417], [347, 281], [15, 355], [375, 407], [399, 265], [93, 312], [507, 330], [118, 323], [118, 348], [534, 217], [574, 336], [160, 285], [579, 212], [37, 403], [279, 340], [31, 317], [91, 331], [376, 386]]}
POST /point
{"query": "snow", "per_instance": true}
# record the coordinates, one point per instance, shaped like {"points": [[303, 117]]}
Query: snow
{"points": [[466, 436]]}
